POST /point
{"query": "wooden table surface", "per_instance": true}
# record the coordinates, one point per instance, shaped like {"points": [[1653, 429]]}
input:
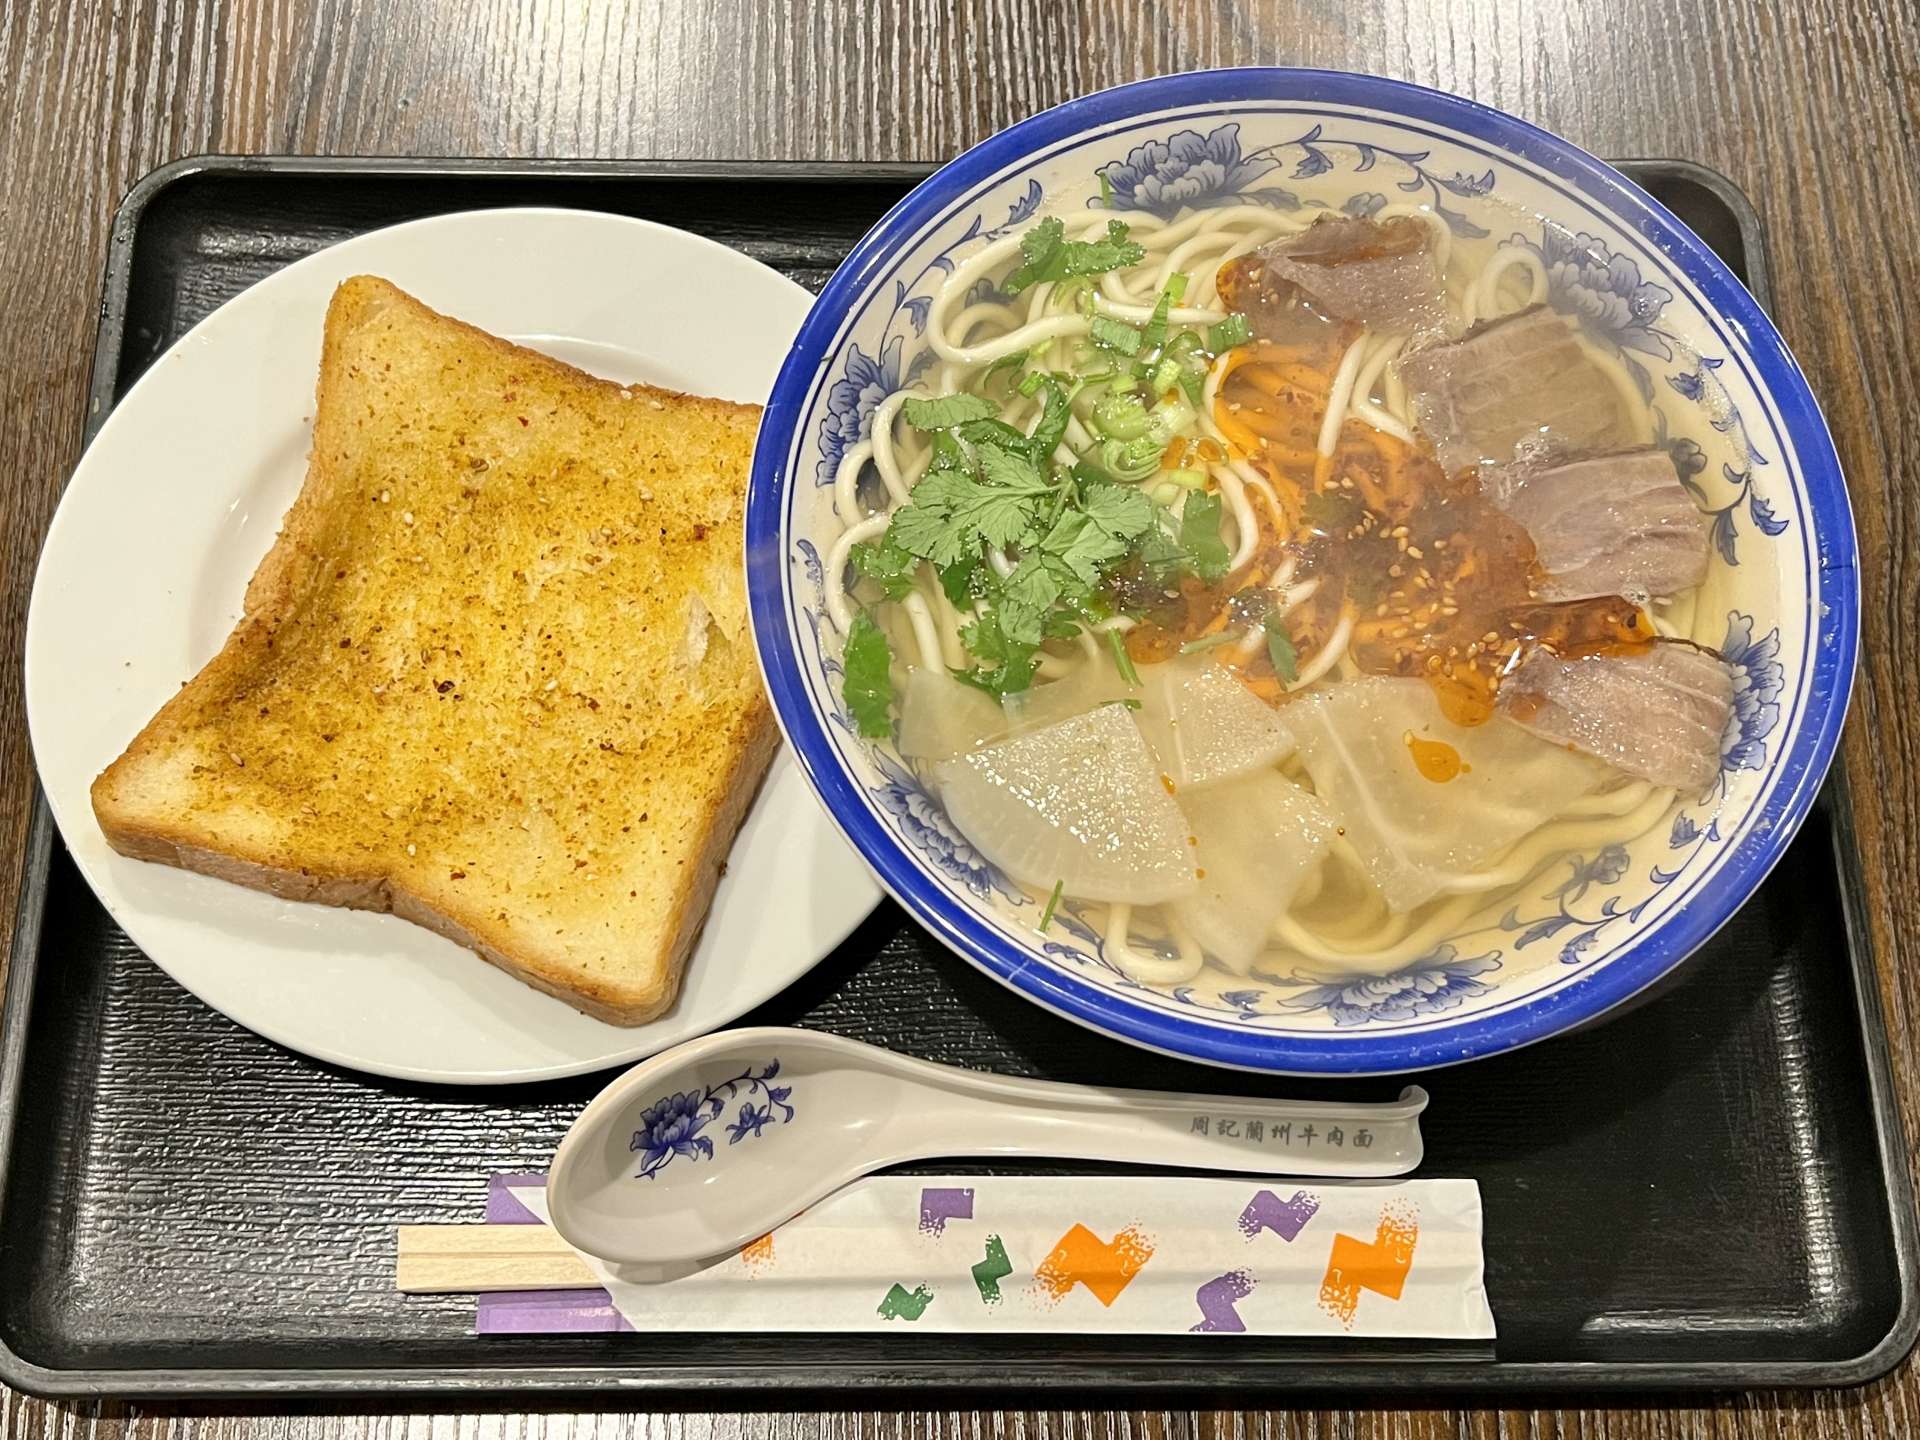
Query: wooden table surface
{"points": [[1811, 106]]}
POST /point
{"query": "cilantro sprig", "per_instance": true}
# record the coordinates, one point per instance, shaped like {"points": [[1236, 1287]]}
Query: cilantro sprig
{"points": [[1200, 537], [1033, 537], [867, 679], [1280, 649], [886, 564], [1069, 532], [1046, 255], [948, 411]]}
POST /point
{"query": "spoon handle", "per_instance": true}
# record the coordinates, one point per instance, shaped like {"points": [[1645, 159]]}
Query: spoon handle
{"points": [[1200, 1132]]}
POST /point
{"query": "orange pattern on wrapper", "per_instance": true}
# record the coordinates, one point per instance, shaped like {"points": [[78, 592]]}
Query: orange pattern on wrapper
{"points": [[1379, 1265], [1104, 1267], [757, 1256]]}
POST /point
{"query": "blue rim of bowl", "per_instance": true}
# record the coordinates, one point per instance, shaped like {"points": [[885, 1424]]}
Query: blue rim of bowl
{"points": [[1729, 884]]}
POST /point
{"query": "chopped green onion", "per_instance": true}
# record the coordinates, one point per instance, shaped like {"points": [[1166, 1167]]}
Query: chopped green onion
{"points": [[1170, 418], [1208, 642], [1053, 900], [1116, 334], [1122, 660], [1191, 386], [1131, 461], [1236, 329], [1165, 375], [1120, 416], [1031, 382], [1188, 479], [1177, 286], [1106, 191], [1155, 335], [1127, 701]]}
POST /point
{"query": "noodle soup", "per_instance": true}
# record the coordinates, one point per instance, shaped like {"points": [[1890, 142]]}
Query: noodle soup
{"points": [[1274, 589]]}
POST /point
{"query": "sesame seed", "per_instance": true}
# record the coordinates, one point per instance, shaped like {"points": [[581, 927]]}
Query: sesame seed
{"points": [[235, 757], [1416, 552], [385, 496], [409, 849], [406, 517], [551, 685]]}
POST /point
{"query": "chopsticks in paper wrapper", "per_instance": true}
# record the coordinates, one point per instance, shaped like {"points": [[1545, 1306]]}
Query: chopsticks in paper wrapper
{"points": [[983, 1254]]}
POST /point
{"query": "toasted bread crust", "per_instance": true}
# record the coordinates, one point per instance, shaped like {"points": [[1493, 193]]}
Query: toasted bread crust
{"points": [[296, 825]]}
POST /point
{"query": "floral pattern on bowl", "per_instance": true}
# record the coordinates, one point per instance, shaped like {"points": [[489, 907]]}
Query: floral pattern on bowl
{"points": [[1745, 435]]}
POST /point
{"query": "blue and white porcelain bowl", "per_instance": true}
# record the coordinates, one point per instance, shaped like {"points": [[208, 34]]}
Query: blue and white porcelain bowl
{"points": [[1578, 940]]}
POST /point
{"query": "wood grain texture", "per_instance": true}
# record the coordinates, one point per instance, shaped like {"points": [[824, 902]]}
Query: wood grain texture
{"points": [[1811, 105]]}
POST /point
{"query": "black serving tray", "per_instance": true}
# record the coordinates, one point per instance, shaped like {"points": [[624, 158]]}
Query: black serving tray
{"points": [[1709, 1191]]}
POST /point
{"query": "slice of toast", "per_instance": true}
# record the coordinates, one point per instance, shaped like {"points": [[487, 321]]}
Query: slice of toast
{"points": [[494, 674]]}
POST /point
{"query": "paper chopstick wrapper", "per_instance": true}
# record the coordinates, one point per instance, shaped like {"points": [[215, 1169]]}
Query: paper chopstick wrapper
{"points": [[1091, 1255]]}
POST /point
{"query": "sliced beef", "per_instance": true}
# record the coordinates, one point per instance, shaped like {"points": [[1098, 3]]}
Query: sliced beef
{"points": [[1278, 310], [1657, 713], [1380, 273], [1619, 524], [1518, 386]]}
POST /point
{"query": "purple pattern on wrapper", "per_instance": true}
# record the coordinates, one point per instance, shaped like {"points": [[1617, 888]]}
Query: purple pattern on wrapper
{"points": [[548, 1312], [1286, 1218], [503, 1208], [937, 1206], [537, 1312], [1216, 1300]]}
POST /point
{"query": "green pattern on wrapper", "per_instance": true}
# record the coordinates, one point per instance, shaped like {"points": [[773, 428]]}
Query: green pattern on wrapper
{"points": [[904, 1304], [991, 1271]]}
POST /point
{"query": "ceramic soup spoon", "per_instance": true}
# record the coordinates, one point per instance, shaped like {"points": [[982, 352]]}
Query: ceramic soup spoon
{"points": [[712, 1144]]}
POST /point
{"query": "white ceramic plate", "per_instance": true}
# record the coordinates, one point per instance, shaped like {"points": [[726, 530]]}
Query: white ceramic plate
{"points": [[181, 494]]}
